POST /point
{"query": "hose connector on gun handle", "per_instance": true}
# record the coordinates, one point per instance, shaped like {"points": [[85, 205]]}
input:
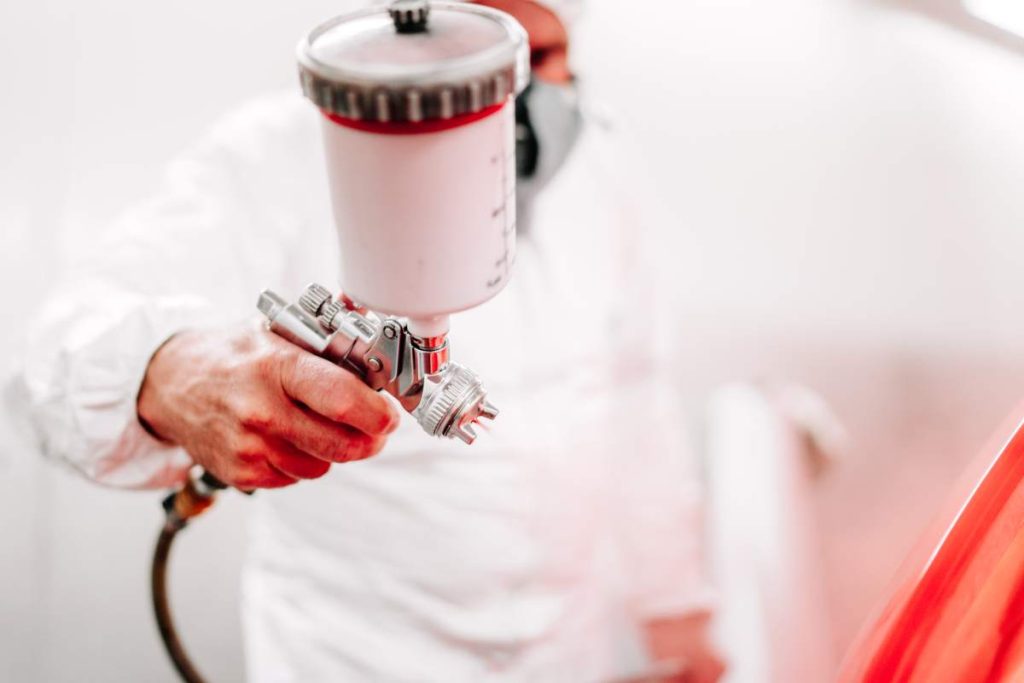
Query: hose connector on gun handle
{"points": [[193, 499]]}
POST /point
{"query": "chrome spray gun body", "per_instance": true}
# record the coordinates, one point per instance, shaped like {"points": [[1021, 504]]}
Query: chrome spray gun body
{"points": [[444, 397]]}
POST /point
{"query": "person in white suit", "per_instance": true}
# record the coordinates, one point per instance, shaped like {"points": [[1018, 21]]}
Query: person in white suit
{"points": [[564, 545]]}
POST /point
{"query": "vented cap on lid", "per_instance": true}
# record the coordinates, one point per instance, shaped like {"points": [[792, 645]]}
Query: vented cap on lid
{"points": [[417, 62]]}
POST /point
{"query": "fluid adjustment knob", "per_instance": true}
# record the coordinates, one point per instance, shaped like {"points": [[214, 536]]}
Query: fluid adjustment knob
{"points": [[329, 312], [410, 16], [314, 298]]}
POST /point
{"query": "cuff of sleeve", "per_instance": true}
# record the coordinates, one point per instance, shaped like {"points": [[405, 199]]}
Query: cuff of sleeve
{"points": [[83, 388], [701, 599]]}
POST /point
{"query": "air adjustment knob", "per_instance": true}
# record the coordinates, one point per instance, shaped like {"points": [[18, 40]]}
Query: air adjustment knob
{"points": [[410, 16], [314, 298]]}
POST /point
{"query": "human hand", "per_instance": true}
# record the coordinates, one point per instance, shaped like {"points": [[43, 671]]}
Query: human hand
{"points": [[682, 647], [257, 411]]}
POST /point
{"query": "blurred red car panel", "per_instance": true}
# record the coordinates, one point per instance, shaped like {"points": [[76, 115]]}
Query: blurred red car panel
{"points": [[958, 614]]}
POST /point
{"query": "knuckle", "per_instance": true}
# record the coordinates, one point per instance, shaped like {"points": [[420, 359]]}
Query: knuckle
{"points": [[301, 363], [283, 352], [256, 416], [273, 359], [249, 451]]}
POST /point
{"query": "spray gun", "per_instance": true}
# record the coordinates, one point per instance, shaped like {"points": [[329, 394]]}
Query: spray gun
{"points": [[418, 124], [444, 397]]}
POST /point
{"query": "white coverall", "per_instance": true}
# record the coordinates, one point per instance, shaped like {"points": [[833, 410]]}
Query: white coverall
{"points": [[532, 555]]}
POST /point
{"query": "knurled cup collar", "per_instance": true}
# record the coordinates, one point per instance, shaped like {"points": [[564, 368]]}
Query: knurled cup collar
{"points": [[432, 90]]}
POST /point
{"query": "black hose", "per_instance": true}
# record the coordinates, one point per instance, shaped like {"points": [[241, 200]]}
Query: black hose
{"points": [[163, 610], [194, 497]]}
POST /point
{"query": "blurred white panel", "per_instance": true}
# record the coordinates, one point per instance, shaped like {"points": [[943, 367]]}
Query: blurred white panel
{"points": [[145, 79], [843, 170], [1006, 14], [773, 621]]}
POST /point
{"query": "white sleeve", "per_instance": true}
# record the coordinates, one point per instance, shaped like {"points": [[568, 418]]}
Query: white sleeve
{"points": [[195, 254]]}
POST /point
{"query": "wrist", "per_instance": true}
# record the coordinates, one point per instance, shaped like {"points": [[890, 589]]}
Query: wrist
{"points": [[669, 637], [147, 403]]}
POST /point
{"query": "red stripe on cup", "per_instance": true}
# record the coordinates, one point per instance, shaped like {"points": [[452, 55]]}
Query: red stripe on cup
{"points": [[410, 128]]}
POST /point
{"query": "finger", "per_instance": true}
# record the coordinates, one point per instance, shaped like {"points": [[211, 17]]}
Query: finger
{"points": [[294, 462], [261, 475], [319, 437], [336, 394]]}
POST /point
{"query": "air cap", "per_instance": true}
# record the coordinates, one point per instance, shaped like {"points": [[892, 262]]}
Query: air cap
{"points": [[414, 61]]}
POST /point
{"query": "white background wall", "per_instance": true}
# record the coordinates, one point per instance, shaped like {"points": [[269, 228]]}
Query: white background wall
{"points": [[845, 177]]}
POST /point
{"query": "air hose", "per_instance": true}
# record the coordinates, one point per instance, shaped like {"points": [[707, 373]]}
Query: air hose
{"points": [[194, 498]]}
